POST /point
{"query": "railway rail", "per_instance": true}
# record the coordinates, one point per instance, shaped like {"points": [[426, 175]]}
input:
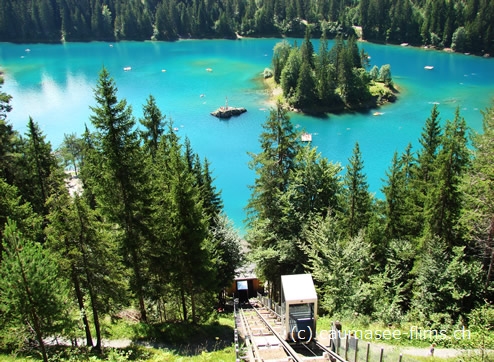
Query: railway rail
{"points": [[258, 337]]}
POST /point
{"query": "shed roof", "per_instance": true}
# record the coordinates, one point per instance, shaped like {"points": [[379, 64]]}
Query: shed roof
{"points": [[298, 288]]}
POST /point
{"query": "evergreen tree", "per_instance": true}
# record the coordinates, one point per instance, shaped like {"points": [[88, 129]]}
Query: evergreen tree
{"points": [[430, 141], [290, 73], [395, 193], [279, 147], [88, 255], [356, 199], [14, 209], [40, 174], [186, 234], [455, 287], [444, 202], [324, 74], [305, 92], [29, 278], [227, 256], [307, 49], [9, 140], [281, 53], [120, 182], [477, 217], [211, 198], [153, 123]]}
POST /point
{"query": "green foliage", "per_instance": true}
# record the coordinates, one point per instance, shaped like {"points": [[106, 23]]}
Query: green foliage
{"points": [[338, 265], [32, 294], [462, 25], [118, 177], [355, 199], [39, 175], [385, 75], [270, 219], [328, 81], [71, 152]]}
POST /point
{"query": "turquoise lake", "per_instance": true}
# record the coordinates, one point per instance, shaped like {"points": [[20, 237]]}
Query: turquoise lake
{"points": [[54, 84]]}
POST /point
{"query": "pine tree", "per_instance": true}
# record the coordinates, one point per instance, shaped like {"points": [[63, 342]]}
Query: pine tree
{"points": [[281, 53], [305, 92], [430, 141], [290, 73], [395, 194], [444, 201], [88, 255], [14, 209], [477, 217], [273, 165], [40, 174], [183, 240], [120, 178], [356, 199], [29, 277], [154, 127]]}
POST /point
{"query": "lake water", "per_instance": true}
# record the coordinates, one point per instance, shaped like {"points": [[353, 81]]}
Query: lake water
{"points": [[54, 84]]}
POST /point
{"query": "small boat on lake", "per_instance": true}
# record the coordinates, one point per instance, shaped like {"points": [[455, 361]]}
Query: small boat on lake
{"points": [[429, 67], [127, 69], [306, 137]]}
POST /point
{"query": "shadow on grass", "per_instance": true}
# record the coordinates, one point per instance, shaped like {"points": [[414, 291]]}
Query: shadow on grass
{"points": [[185, 339]]}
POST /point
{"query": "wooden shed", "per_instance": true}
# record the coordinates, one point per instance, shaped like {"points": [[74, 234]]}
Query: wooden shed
{"points": [[245, 285]]}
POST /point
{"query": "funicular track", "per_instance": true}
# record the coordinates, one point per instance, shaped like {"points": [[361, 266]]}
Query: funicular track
{"points": [[260, 329]]}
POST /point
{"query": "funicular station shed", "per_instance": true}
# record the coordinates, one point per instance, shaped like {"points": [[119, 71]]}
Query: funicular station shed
{"points": [[246, 285], [299, 307]]}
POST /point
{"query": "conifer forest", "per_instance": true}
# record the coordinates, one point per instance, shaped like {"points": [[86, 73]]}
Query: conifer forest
{"points": [[464, 26]]}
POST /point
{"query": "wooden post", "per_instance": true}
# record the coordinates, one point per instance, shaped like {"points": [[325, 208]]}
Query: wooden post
{"points": [[356, 350], [347, 343], [368, 351], [381, 358]]}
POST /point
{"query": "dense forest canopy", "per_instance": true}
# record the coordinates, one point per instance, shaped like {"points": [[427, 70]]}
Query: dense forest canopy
{"points": [[330, 80], [463, 25], [423, 253], [146, 231]]}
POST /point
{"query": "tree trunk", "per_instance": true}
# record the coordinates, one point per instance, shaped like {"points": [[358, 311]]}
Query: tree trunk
{"points": [[97, 325], [193, 306], [80, 301], [489, 245], [34, 315], [184, 304], [139, 283]]}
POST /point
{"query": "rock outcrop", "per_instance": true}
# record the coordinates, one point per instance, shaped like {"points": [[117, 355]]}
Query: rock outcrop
{"points": [[227, 112]]}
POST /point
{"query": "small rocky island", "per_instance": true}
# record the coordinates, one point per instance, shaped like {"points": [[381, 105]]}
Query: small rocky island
{"points": [[227, 112]]}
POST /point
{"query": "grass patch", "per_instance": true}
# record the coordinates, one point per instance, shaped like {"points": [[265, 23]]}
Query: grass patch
{"points": [[151, 343], [413, 340]]}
